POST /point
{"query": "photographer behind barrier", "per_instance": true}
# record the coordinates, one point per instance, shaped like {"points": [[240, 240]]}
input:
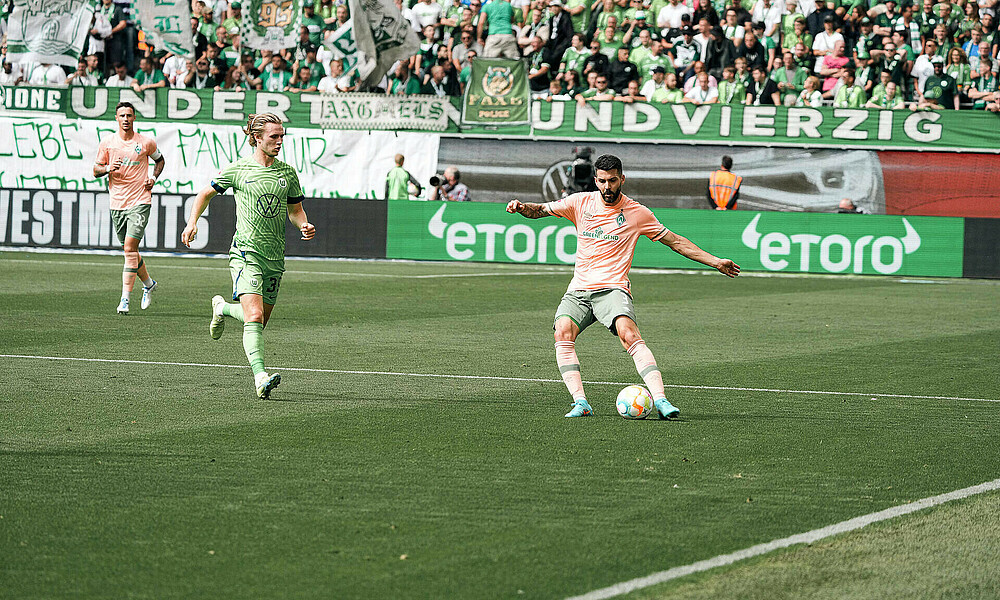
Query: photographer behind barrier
{"points": [[448, 187]]}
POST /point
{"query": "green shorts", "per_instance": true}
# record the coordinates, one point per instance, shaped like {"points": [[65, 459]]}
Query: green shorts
{"points": [[254, 274], [585, 307], [130, 222]]}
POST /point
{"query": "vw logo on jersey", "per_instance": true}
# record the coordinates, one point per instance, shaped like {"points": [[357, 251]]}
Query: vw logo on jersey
{"points": [[268, 205]]}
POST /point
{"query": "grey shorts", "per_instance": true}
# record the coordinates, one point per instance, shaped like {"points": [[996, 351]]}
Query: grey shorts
{"points": [[585, 307], [130, 222]]}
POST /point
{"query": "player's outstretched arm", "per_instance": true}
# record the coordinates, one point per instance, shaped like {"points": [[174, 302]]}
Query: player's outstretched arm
{"points": [[686, 248], [528, 209], [297, 215], [199, 206]]}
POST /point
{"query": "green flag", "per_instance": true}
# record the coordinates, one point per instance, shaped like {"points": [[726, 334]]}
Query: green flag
{"points": [[497, 93]]}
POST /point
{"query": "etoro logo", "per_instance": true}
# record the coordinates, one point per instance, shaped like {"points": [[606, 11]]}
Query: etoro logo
{"points": [[837, 253], [493, 241]]}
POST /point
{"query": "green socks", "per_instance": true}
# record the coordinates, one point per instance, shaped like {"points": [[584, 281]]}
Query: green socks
{"points": [[253, 342], [233, 310]]}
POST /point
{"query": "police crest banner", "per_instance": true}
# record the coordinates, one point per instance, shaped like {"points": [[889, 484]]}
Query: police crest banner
{"points": [[497, 93], [48, 31], [271, 24], [167, 24], [382, 36]]}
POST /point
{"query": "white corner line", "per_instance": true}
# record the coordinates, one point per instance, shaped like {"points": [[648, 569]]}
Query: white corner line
{"points": [[802, 538], [492, 378]]}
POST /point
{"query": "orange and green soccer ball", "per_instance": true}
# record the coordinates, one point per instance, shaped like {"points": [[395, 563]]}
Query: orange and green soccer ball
{"points": [[634, 402]]}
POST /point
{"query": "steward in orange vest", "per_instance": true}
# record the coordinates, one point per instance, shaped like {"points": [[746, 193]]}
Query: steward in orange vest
{"points": [[724, 186]]}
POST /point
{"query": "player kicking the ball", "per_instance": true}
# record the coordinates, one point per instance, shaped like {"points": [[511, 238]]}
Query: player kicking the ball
{"points": [[266, 190], [124, 158], [608, 225]]}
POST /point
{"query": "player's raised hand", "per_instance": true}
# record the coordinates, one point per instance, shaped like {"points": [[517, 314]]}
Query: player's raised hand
{"points": [[728, 268], [190, 232], [515, 206], [308, 231]]}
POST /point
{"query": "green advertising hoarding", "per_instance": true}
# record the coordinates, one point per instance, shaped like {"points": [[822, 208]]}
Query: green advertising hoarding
{"points": [[757, 241]]}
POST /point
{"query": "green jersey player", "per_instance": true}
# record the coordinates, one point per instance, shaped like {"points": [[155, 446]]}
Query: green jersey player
{"points": [[266, 190]]}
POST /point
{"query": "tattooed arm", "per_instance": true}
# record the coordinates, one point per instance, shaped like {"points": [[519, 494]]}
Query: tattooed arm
{"points": [[528, 209]]}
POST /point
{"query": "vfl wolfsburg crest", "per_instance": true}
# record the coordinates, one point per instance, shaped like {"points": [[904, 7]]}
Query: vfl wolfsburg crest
{"points": [[268, 205], [498, 81], [497, 93]]}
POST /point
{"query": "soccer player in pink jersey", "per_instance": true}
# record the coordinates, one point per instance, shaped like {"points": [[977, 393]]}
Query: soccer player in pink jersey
{"points": [[608, 225], [124, 157]]}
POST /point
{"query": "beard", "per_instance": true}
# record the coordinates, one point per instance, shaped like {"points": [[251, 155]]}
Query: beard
{"points": [[610, 197]]}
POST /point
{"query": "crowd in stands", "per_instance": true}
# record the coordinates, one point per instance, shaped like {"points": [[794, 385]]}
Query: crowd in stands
{"points": [[915, 54]]}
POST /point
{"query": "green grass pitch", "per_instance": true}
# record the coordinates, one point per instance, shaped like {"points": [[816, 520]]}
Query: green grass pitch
{"points": [[137, 480]]}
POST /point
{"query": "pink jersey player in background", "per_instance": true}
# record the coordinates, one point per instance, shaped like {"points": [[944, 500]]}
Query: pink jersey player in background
{"points": [[124, 157], [608, 225]]}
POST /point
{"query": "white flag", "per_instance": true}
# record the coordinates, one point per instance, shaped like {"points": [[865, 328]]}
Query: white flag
{"points": [[382, 36], [270, 24], [167, 24], [48, 31]]}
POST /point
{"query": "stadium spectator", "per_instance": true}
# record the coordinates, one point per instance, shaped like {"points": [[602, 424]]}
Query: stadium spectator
{"points": [[797, 35], [825, 41], [597, 62], [731, 91], [402, 84], [639, 45], [175, 69], [460, 51], [80, 76], [790, 78], [957, 67], [848, 93], [427, 13], [724, 186], [889, 99], [731, 27], [704, 10], [810, 94], [495, 31], [202, 78], [538, 27], [703, 37], [622, 71], [235, 79], [761, 89], [114, 40], [669, 93], [274, 77], [985, 85], [670, 16], [539, 66], [573, 85], [769, 14], [804, 57], [817, 19], [234, 17], [702, 92], [120, 78], [742, 72], [847, 206], [697, 69], [654, 83], [631, 93], [943, 40], [720, 54], [600, 92], [922, 67], [251, 75], [301, 81], [685, 52], [752, 51], [940, 89], [435, 86], [100, 31], [788, 20], [43, 74], [450, 188], [560, 29], [579, 12], [832, 68], [147, 76], [573, 58], [10, 76]]}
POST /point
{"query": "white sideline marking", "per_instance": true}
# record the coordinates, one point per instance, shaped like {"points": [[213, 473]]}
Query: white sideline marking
{"points": [[490, 378], [338, 273], [801, 538]]}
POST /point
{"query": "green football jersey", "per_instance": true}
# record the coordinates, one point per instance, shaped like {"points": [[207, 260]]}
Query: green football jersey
{"points": [[262, 198]]}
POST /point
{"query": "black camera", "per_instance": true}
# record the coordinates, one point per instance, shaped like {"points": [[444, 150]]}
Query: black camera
{"points": [[581, 171], [437, 180]]}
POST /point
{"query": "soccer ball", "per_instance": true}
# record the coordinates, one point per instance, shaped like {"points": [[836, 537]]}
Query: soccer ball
{"points": [[634, 402]]}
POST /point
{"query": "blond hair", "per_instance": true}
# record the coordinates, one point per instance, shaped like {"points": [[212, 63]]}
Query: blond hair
{"points": [[255, 125]]}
